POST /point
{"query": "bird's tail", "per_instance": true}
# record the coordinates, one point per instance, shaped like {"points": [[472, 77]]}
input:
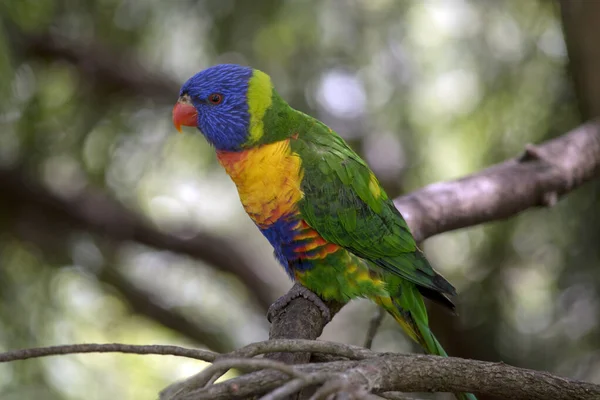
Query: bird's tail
{"points": [[410, 312]]}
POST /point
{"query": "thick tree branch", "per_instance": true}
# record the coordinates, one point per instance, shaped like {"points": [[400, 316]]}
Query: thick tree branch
{"points": [[538, 178], [421, 374], [379, 373], [369, 372]]}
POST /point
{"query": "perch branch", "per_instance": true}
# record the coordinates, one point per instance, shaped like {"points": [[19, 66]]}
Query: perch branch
{"points": [[213, 373], [418, 374], [372, 373], [380, 373], [300, 345]]}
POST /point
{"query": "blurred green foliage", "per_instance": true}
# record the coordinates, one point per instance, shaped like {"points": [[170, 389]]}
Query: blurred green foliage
{"points": [[426, 91]]}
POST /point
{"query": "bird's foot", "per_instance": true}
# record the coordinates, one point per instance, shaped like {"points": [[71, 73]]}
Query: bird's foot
{"points": [[298, 291]]}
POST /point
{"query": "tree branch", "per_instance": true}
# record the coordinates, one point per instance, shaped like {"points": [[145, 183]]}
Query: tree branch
{"points": [[380, 373], [415, 374], [301, 345], [370, 372], [538, 178], [25, 354], [294, 386]]}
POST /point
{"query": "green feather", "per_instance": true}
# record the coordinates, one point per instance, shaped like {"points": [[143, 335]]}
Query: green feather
{"points": [[340, 205]]}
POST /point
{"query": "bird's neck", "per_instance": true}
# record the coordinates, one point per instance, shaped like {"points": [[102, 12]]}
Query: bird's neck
{"points": [[279, 122]]}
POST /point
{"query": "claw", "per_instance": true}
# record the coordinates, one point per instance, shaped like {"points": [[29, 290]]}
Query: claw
{"points": [[298, 291]]}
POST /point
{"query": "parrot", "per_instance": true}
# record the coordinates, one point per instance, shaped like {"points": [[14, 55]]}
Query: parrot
{"points": [[331, 224]]}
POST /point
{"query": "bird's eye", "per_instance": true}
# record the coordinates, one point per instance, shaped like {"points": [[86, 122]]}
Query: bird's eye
{"points": [[215, 98]]}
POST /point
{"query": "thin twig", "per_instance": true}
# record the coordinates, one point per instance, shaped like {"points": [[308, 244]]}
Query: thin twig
{"points": [[330, 387], [396, 396], [370, 396], [208, 376], [295, 385], [374, 325], [288, 389], [24, 354], [253, 364], [304, 346]]}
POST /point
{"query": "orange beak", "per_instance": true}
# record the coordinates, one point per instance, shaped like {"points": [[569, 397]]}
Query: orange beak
{"points": [[184, 114]]}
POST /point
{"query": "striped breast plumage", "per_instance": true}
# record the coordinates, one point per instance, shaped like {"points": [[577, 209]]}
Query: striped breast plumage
{"points": [[268, 178]]}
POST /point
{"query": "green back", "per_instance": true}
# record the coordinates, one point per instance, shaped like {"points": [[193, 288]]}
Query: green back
{"points": [[345, 203]]}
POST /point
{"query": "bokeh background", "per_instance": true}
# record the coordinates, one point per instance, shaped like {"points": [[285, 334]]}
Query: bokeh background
{"points": [[113, 228]]}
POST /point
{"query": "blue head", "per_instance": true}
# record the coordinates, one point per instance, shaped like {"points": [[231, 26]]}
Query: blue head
{"points": [[219, 96]]}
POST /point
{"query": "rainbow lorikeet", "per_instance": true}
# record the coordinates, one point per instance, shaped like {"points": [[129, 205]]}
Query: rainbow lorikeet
{"points": [[333, 228]]}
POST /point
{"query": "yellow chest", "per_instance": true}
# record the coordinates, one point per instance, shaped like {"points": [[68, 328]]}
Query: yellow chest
{"points": [[268, 180]]}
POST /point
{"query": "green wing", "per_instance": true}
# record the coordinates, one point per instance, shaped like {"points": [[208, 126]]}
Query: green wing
{"points": [[345, 203]]}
